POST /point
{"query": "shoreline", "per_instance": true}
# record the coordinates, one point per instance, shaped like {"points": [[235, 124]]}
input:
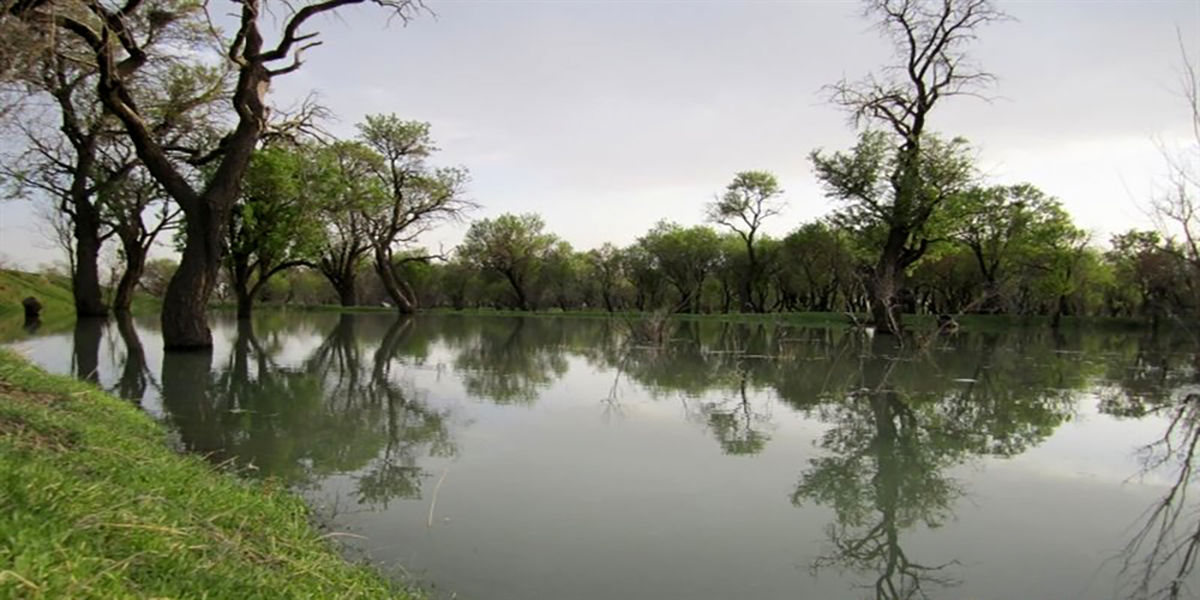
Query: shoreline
{"points": [[94, 503]]}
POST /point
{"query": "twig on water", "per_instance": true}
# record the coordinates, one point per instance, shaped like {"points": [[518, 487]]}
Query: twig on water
{"points": [[433, 503]]}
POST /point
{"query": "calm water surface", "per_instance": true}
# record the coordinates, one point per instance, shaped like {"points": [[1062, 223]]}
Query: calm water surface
{"points": [[504, 458]]}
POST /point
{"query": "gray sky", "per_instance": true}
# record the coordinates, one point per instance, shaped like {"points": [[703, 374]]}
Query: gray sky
{"points": [[606, 116]]}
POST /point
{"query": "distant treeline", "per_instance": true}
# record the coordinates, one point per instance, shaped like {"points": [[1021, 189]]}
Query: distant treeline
{"points": [[511, 262]]}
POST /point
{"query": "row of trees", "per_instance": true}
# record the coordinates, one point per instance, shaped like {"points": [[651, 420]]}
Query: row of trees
{"points": [[143, 118], [1022, 257]]}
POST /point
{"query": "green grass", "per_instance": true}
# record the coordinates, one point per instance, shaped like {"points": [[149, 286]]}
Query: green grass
{"points": [[54, 292], [93, 504]]}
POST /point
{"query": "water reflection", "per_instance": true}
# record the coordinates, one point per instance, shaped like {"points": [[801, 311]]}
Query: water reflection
{"points": [[891, 442], [1159, 559], [135, 373], [335, 414], [866, 439], [85, 352]]}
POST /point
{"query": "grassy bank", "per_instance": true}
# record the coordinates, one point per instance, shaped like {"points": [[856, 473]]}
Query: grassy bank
{"points": [[93, 504], [52, 291]]}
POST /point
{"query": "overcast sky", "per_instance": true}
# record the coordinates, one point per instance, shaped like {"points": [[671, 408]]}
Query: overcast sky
{"points": [[606, 116]]}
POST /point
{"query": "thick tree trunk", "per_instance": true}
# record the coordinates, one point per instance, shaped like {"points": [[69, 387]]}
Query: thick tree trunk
{"points": [[343, 276], [185, 305], [399, 291], [518, 289], [347, 292], [886, 281], [245, 302], [1060, 309], [885, 312], [85, 281]]}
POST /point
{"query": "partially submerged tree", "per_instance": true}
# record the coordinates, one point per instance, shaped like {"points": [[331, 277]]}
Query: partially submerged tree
{"points": [[751, 198], [119, 51], [897, 222], [929, 38], [271, 228], [351, 194], [512, 246], [417, 197], [684, 257]]}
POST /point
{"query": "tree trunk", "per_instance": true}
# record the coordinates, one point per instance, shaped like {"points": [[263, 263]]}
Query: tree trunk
{"points": [[343, 276], [347, 292], [85, 281], [518, 289], [135, 264], [885, 313], [885, 283], [245, 302], [1059, 310], [185, 305], [399, 291]]}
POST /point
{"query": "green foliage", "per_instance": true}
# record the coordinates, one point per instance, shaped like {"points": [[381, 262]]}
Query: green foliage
{"points": [[685, 256], [272, 226], [513, 246], [874, 201]]}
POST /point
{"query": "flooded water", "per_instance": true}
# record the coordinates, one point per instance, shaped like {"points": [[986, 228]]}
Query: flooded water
{"points": [[504, 458]]}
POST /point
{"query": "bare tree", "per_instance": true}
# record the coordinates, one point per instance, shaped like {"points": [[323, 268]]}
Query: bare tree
{"points": [[929, 37], [1176, 207]]}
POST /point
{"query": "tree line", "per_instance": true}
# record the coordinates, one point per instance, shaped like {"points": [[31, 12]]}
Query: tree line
{"points": [[143, 118]]}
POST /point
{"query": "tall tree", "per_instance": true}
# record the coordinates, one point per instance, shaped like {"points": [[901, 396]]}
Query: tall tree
{"points": [[61, 161], [418, 197], [928, 37], [512, 246], [271, 228], [351, 195], [120, 55], [684, 257], [751, 198], [897, 224], [137, 212]]}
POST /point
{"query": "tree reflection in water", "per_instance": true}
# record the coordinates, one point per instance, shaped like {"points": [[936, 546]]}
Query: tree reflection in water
{"points": [[511, 360], [895, 431], [335, 414], [1160, 557], [135, 374]]}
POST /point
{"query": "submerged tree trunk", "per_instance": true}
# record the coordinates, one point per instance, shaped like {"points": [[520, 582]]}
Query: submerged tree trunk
{"points": [[397, 289], [134, 379], [85, 280], [135, 265], [342, 274], [347, 293], [518, 289], [185, 305]]}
